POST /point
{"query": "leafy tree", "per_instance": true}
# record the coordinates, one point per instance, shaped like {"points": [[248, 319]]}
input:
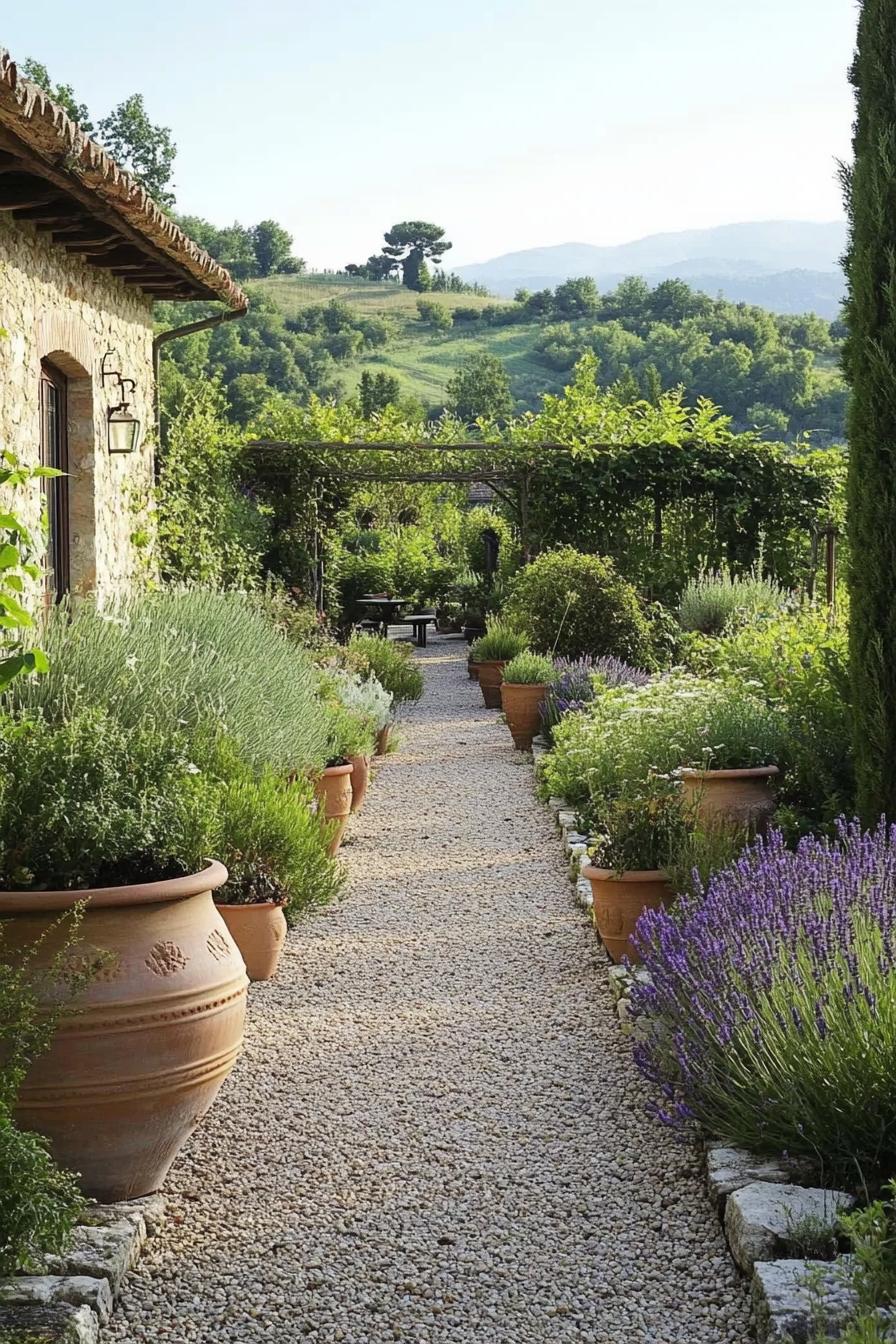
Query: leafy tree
{"points": [[377, 391], [145, 150], [209, 530], [539, 304], [870, 362], [410, 244], [272, 246], [436, 314], [377, 267], [480, 387], [673, 301], [63, 94], [576, 298]]}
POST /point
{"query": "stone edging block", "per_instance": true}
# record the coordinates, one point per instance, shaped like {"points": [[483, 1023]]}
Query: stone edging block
{"points": [[766, 1221], [68, 1303], [788, 1294]]}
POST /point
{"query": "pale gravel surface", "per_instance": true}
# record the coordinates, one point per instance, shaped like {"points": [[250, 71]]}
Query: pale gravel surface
{"points": [[435, 1132]]}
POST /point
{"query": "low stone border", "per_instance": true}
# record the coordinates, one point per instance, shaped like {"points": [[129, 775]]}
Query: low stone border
{"points": [[74, 1297], [769, 1209]]}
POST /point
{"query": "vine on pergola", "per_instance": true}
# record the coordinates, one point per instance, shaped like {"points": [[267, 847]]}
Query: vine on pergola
{"points": [[611, 476]]}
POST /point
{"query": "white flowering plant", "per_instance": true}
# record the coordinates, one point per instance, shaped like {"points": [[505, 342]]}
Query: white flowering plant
{"points": [[363, 695]]}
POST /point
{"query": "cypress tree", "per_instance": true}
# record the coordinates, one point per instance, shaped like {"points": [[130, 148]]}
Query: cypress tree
{"points": [[870, 362]]}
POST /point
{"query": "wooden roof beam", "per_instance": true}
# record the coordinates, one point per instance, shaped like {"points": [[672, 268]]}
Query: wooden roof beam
{"points": [[17, 197], [56, 210], [94, 206]]}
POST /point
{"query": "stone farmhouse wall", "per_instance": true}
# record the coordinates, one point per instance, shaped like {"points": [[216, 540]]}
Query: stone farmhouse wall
{"points": [[56, 307]]}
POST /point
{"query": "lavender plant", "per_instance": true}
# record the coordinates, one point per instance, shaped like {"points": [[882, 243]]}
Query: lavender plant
{"points": [[771, 1005], [575, 683]]}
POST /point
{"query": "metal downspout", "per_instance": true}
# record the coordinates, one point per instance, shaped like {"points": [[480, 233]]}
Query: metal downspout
{"points": [[173, 334]]}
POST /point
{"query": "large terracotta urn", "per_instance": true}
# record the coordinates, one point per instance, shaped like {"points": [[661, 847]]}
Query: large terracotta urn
{"points": [[741, 799], [134, 1067], [360, 780], [619, 899], [490, 673], [521, 702], [334, 790], [259, 931]]}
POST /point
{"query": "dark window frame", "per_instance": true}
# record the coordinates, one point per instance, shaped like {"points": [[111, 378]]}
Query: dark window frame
{"points": [[54, 453]]}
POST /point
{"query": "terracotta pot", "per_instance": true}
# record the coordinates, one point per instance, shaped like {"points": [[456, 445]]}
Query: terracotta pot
{"points": [[490, 674], [472, 670], [521, 703], [334, 789], [619, 899], [360, 780], [382, 740], [131, 1073], [259, 932], [737, 798]]}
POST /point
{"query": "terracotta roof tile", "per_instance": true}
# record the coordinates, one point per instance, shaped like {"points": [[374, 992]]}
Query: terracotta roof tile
{"points": [[50, 134]]}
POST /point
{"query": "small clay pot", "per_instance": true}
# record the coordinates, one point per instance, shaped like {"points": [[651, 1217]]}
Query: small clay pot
{"points": [[259, 932], [619, 899], [360, 780], [521, 702], [741, 799], [490, 674], [382, 740], [334, 789]]}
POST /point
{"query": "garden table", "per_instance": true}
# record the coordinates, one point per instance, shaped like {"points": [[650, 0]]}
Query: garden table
{"points": [[385, 608]]}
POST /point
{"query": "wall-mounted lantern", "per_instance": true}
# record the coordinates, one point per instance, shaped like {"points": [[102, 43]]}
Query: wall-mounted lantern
{"points": [[122, 428]]}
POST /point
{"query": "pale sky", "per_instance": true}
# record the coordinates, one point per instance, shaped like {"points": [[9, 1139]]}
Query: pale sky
{"points": [[514, 124]]}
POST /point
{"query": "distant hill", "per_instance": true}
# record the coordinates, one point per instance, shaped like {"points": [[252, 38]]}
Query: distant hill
{"points": [[786, 266]]}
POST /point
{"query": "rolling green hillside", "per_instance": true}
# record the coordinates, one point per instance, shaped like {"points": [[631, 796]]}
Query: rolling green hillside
{"points": [[423, 360], [775, 372]]}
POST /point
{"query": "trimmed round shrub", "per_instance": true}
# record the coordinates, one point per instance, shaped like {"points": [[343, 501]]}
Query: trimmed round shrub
{"points": [[572, 604]]}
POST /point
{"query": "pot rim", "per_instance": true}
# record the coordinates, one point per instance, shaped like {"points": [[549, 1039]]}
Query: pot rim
{"points": [[627, 875], [333, 770], [491, 662], [249, 905], [168, 890], [529, 685], [747, 772]]}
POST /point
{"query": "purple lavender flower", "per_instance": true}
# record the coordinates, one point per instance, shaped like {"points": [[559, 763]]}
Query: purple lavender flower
{"points": [[771, 1006], [573, 687]]}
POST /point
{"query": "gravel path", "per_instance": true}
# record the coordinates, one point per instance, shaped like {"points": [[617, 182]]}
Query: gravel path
{"points": [[435, 1132]]}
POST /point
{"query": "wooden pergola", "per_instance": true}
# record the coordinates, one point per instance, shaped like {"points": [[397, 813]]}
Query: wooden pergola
{"points": [[509, 482]]}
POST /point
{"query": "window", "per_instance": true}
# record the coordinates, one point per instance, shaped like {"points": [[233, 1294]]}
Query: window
{"points": [[54, 453]]}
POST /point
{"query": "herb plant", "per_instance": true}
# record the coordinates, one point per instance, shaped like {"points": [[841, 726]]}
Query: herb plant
{"points": [[718, 601], [184, 657], [768, 1012], [501, 642], [392, 664], [529, 669], [575, 680]]}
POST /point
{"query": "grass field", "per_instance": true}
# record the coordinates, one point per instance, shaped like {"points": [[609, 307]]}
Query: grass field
{"points": [[422, 359], [424, 364], [390, 299]]}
